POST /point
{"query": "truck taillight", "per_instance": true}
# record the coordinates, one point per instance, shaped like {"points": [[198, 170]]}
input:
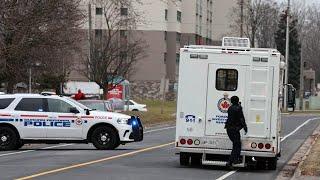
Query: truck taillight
{"points": [[260, 145], [267, 146], [253, 145], [182, 141], [190, 141]]}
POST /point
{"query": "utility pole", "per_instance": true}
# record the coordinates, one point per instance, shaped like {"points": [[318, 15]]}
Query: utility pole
{"points": [[30, 79], [241, 18], [90, 35], [301, 76], [287, 61]]}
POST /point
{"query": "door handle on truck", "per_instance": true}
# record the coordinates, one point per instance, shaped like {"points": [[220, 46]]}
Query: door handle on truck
{"points": [[200, 119], [209, 120]]}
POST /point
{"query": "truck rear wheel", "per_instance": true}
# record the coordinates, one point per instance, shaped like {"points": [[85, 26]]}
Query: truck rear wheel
{"points": [[272, 163], [184, 159], [105, 138], [8, 139], [196, 159]]}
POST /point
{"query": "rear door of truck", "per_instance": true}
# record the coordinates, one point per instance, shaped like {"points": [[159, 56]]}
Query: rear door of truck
{"points": [[224, 81]]}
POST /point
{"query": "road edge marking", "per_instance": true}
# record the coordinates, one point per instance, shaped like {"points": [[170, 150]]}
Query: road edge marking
{"points": [[95, 161], [284, 138]]}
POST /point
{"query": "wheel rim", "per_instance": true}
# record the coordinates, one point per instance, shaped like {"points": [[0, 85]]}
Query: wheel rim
{"points": [[4, 139], [104, 138]]}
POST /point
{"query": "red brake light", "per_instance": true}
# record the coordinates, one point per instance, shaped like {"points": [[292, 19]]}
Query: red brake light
{"points": [[267, 146], [182, 141], [260, 145], [190, 141]]}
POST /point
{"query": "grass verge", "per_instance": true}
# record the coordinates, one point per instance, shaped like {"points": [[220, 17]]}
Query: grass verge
{"points": [[311, 165], [154, 115]]}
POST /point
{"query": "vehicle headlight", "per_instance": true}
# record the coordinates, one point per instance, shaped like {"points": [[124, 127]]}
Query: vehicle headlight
{"points": [[122, 121]]}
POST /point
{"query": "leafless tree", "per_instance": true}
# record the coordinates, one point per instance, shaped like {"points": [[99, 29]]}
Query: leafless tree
{"points": [[117, 46], [259, 21], [36, 32], [311, 35]]}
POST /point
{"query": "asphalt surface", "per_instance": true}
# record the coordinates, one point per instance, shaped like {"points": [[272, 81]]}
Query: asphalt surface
{"points": [[138, 161]]}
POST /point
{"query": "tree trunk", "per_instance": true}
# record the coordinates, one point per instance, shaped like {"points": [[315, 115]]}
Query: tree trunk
{"points": [[10, 87]]}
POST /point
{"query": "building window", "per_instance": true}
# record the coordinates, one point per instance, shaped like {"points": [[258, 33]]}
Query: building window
{"points": [[179, 16], [98, 32], [123, 33], [178, 37], [227, 80], [166, 14], [165, 35], [124, 11], [98, 11]]}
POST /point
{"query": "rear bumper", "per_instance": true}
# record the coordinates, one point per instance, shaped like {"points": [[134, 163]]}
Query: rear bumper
{"points": [[224, 152]]}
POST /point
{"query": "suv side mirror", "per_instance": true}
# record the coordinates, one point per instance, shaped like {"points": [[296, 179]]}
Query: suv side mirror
{"points": [[74, 110]]}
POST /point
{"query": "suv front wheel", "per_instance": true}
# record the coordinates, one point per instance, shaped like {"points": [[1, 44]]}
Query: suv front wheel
{"points": [[8, 139], [105, 138]]}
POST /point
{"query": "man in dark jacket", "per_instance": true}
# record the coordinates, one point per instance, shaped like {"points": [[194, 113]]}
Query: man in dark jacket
{"points": [[234, 124]]}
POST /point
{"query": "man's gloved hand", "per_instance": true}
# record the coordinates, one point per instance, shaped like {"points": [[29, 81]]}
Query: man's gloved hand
{"points": [[245, 130]]}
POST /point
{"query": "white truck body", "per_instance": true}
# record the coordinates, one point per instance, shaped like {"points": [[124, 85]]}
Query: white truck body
{"points": [[208, 77]]}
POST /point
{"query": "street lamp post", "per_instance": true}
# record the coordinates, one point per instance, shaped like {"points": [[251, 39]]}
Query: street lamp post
{"points": [[287, 61]]}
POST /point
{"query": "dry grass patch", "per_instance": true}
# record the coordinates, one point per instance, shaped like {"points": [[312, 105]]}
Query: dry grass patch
{"points": [[154, 115], [311, 165]]}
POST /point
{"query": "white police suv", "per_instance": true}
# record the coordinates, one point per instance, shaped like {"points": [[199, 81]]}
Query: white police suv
{"points": [[35, 118]]}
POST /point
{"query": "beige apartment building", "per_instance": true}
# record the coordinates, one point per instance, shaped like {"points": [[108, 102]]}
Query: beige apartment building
{"points": [[167, 26]]}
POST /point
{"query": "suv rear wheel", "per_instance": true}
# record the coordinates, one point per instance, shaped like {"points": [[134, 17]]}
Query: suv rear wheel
{"points": [[8, 139], [105, 138]]}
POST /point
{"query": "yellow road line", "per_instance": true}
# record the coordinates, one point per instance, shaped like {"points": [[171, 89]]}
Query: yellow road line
{"points": [[94, 162]]}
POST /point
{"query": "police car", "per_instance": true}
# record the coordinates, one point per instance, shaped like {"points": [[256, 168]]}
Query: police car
{"points": [[35, 118]]}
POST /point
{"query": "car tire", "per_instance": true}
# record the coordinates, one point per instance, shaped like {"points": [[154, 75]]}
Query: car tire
{"points": [[105, 138], [135, 110], [184, 159], [19, 145], [8, 139]]}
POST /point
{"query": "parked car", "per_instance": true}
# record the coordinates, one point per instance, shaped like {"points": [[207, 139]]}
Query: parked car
{"points": [[117, 104], [134, 106], [100, 105]]}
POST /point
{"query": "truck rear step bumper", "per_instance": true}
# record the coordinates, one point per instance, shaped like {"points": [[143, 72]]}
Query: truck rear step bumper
{"points": [[225, 152]]}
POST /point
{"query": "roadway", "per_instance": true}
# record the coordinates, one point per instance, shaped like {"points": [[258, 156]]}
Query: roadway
{"points": [[154, 159]]}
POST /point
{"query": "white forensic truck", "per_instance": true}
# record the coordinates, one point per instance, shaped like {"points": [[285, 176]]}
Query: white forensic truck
{"points": [[208, 77]]}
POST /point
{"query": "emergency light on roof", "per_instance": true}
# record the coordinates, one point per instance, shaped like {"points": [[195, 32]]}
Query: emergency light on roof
{"points": [[236, 42]]}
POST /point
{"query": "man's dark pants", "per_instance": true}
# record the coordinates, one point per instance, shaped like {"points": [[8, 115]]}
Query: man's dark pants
{"points": [[234, 136]]}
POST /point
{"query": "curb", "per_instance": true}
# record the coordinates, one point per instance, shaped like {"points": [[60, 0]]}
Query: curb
{"points": [[292, 169], [315, 135]]}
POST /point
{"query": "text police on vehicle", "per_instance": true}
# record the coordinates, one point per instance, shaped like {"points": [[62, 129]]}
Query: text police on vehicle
{"points": [[33, 118]]}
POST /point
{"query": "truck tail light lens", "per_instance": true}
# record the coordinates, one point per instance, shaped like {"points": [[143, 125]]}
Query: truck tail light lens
{"points": [[253, 145], [267, 146], [190, 141], [260, 145], [182, 141]]}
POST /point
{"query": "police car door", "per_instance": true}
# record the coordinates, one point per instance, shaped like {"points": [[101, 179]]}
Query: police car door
{"points": [[31, 115], [224, 81], [63, 123]]}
